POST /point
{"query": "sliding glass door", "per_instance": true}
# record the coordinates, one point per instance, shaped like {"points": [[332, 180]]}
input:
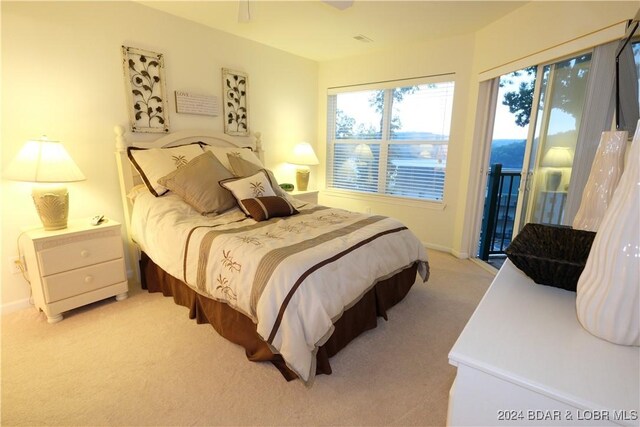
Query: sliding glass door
{"points": [[534, 125], [560, 102]]}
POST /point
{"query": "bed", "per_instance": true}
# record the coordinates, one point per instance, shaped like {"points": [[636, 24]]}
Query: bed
{"points": [[291, 282]]}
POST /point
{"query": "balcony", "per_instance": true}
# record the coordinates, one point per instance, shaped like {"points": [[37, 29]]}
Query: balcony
{"points": [[499, 214]]}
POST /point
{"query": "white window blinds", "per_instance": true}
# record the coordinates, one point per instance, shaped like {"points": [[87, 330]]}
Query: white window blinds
{"points": [[391, 140]]}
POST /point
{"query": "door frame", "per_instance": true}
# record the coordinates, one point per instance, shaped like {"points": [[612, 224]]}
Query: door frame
{"points": [[485, 118], [527, 172]]}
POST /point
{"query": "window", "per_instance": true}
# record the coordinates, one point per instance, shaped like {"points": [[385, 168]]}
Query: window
{"points": [[390, 140]]}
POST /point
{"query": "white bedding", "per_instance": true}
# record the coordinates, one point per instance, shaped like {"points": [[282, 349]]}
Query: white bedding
{"points": [[293, 276]]}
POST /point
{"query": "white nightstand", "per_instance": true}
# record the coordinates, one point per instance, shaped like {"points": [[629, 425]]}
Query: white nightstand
{"points": [[74, 266], [309, 196]]}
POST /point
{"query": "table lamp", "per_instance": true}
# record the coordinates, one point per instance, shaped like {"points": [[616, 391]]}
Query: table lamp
{"points": [[304, 156], [46, 162], [554, 159], [363, 153]]}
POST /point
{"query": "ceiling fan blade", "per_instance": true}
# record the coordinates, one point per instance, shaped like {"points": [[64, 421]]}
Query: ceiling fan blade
{"points": [[244, 14], [339, 4]]}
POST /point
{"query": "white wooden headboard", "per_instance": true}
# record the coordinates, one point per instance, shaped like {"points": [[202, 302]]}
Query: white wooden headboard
{"points": [[129, 176]]}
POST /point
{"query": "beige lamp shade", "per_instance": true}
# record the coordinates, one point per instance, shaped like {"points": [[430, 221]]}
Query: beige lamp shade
{"points": [[554, 159], [363, 153], [45, 161], [304, 156], [558, 157]]}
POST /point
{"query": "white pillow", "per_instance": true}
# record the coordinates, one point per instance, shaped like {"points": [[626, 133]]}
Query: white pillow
{"points": [[136, 191], [154, 163], [241, 168], [222, 152], [257, 185]]}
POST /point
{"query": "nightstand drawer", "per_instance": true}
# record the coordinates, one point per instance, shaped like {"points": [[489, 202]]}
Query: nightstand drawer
{"points": [[74, 254], [75, 282]]}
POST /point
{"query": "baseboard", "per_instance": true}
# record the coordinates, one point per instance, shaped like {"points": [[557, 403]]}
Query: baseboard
{"points": [[461, 255], [14, 306], [457, 254], [436, 247], [485, 265]]}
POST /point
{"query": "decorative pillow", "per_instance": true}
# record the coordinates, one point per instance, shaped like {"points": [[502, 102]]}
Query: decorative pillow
{"points": [[257, 185], [222, 154], [262, 208], [197, 184], [242, 167], [154, 163]]}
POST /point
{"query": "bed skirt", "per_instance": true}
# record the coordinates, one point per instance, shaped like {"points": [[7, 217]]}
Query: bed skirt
{"points": [[240, 329]]}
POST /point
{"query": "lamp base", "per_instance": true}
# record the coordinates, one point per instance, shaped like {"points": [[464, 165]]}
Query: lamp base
{"points": [[52, 204], [302, 179], [554, 177]]}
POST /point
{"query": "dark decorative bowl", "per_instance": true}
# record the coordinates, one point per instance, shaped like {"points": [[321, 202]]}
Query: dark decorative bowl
{"points": [[551, 255], [286, 187]]}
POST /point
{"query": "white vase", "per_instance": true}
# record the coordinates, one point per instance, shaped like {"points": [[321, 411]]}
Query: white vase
{"points": [[606, 169], [608, 291]]}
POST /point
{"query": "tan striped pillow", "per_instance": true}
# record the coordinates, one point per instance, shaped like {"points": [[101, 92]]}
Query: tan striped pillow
{"points": [[263, 208]]}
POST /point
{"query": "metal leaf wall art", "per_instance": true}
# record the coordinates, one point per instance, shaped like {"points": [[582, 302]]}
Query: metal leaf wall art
{"points": [[145, 84], [235, 86]]}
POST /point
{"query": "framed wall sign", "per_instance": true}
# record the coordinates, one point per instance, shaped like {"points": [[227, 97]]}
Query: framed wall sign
{"points": [[146, 93], [235, 85], [191, 103]]}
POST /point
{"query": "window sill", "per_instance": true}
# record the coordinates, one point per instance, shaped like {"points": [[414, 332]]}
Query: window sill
{"points": [[391, 200]]}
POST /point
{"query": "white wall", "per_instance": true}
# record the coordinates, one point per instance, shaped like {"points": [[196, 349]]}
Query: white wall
{"points": [[62, 76], [432, 222], [541, 26]]}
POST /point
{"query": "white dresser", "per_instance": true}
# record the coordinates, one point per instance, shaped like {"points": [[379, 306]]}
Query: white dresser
{"points": [[74, 266], [524, 359]]}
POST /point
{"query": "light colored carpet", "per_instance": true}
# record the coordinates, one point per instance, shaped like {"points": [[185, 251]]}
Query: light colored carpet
{"points": [[142, 361]]}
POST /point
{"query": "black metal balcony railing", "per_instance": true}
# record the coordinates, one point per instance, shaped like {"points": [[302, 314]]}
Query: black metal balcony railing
{"points": [[499, 211]]}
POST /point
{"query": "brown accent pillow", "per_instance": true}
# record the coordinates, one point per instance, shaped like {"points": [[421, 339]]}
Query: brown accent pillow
{"points": [[263, 208], [197, 184], [244, 167]]}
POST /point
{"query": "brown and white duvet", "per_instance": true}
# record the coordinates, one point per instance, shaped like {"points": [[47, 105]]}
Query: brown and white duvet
{"points": [[292, 276]]}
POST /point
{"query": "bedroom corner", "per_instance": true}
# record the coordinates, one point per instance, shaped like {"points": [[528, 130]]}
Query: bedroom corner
{"points": [[358, 302], [62, 77]]}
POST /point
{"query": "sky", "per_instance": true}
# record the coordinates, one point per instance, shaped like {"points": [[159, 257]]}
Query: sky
{"points": [[505, 126], [410, 110]]}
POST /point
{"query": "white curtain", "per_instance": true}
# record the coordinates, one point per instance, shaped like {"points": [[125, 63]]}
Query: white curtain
{"points": [[597, 117]]}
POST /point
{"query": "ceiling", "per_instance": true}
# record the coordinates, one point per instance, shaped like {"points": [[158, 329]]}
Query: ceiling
{"points": [[316, 30]]}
